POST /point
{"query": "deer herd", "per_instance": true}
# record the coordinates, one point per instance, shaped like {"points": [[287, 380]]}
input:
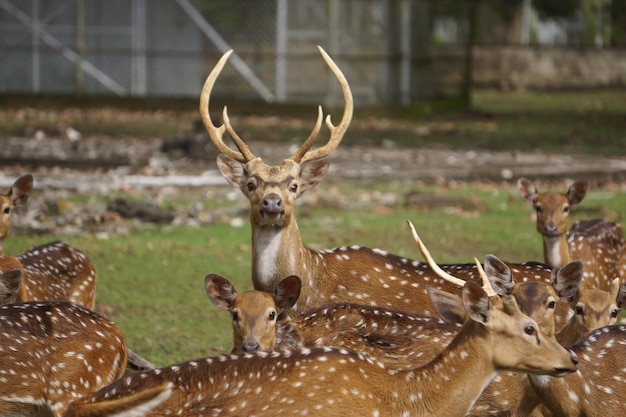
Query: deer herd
{"points": [[350, 331]]}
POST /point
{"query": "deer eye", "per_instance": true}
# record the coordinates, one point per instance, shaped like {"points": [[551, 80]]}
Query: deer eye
{"points": [[614, 313], [552, 304], [272, 315], [530, 330], [566, 209], [251, 186], [293, 188], [7, 210], [538, 209], [579, 310], [234, 315]]}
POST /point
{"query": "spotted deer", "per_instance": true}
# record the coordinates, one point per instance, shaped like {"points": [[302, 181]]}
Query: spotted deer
{"points": [[510, 393], [597, 243], [598, 388], [327, 381], [52, 271], [351, 274], [54, 353]]}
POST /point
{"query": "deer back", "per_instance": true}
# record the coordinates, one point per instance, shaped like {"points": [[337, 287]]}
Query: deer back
{"points": [[57, 271], [54, 353]]}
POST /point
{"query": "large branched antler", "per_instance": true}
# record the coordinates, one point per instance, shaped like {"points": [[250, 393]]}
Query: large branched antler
{"points": [[336, 132], [303, 154], [217, 133]]}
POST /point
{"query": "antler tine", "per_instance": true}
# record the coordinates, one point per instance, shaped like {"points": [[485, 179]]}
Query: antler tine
{"points": [[336, 132], [431, 262], [297, 157], [486, 283], [216, 133], [241, 145]]}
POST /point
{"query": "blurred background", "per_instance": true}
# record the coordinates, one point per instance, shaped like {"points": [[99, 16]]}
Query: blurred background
{"points": [[394, 52]]}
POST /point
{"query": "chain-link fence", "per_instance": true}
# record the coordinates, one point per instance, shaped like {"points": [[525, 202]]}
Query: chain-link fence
{"points": [[391, 51]]}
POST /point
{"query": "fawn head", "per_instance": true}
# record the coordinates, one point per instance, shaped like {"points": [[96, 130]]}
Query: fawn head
{"points": [[272, 190], [254, 313]]}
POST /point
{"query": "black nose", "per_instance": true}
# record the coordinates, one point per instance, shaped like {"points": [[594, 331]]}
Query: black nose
{"points": [[272, 203], [250, 346], [550, 229]]}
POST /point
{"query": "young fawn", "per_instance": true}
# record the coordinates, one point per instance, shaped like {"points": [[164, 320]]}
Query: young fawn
{"points": [[351, 274], [597, 243], [54, 353], [52, 271], [326, 381]]}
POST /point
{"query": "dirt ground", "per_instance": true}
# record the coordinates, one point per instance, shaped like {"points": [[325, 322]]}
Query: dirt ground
{"points": [[64, 165]]}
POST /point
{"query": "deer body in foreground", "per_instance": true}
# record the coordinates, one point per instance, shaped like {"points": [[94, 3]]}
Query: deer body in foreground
{"points": [[53, 353], [52, 271], [327, 381], [597, 243], [351, 274]]}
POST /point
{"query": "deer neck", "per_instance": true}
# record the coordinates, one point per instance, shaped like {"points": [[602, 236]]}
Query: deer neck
{"points": [[556, 251], [462, 371], [276, 253]]}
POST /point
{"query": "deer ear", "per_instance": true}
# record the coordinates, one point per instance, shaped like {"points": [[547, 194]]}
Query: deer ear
{"points": [[476, 302], [311, 173], [233, 171], [20, 190], [577, 192], [449, 306], [527, 190], [287, 292], [220, 291], [499, 275], [566, 280], [10, 283], [621, 296]]}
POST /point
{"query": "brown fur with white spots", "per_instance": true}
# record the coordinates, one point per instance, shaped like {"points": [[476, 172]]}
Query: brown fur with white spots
{"points": [[598, 388], [52, 271], [510, 394], [597, 243], [327, 381], [349, 274], [401, 341], [52, 353]]}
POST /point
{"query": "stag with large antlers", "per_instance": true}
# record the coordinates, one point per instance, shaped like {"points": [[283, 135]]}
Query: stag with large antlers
{"points": [[496, 336], [348, 274]]}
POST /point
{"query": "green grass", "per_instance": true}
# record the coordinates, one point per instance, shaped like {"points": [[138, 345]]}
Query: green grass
{"points": [[151, 281]]}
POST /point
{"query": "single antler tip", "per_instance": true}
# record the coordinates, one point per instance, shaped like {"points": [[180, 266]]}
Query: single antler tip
{"points": [[486, 283]]}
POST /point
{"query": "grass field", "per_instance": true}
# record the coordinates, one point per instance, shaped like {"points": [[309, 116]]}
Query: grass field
{"points": [[151, 280]]}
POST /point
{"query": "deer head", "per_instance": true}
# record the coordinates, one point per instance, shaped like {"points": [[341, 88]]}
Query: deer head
{"points": [[273, 189], [552, 208], [15, 197], [254, 313]]}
